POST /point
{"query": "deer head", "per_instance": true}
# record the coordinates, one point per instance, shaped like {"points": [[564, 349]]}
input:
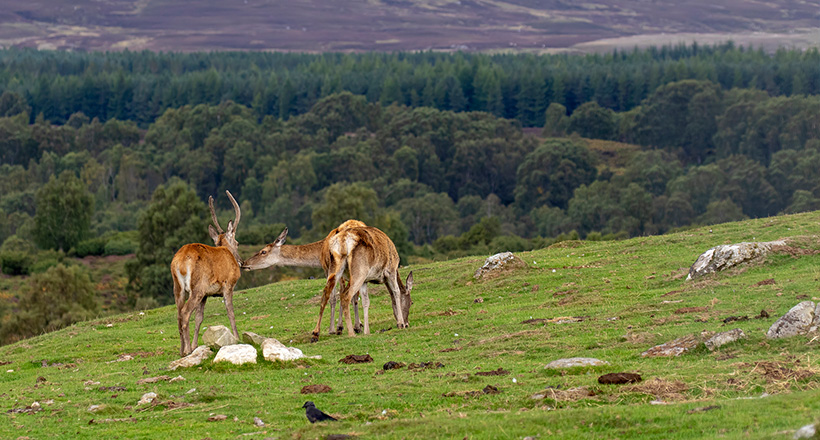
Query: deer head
{"points": [[226, 238], [270, 255]]}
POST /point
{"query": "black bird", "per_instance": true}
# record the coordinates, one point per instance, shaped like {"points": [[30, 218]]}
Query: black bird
{"points": [[314, 414]]}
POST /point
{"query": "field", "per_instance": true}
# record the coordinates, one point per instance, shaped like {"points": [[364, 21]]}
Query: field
{"points": [[321, 26], [607, 300]]}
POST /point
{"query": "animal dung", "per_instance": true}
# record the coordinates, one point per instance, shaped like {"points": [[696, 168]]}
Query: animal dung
{"points": [[356, 359], [619, 378]]}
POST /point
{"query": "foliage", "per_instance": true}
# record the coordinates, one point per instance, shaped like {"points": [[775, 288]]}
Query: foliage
{"points": [[64, 211], [174, 218], [51, 300]]}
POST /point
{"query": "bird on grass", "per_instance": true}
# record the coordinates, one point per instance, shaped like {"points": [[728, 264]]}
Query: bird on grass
{"points": [[315, 414]]}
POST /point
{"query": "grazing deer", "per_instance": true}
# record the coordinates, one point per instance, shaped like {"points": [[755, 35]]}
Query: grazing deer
{"points": [[200, 271], [278, 253], [365, 254]]}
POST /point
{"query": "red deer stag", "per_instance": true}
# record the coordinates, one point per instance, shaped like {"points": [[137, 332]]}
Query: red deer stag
{"points": [[200, 271], [365, 254], [278, 253]]}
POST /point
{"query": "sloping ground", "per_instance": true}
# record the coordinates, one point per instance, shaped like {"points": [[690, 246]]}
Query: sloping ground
{"points": [[337, 25], [606, 300]]}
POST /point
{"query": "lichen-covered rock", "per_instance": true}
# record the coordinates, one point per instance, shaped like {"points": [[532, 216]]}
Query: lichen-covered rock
{"points": [[218, 336], [237, 354], [147, 398], [273, 350], [725, 256], [808, 431], [253, 338], [797, 321], [498, 262], [195, 358], [575, 362], [673, 348], [724, 338]]}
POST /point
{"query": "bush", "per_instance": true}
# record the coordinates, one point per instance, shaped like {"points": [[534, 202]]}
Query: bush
{"points": [[16, 262], [120, 246], [45, 260], [509, 243], [93, 246]]}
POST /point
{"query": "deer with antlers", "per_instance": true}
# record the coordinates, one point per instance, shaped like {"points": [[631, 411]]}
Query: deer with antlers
{"points": [[278, 253], [200, 271], [363, 254]]}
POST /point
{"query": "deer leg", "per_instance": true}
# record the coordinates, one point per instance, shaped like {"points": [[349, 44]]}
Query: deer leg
{"points": [[228, 297], [183, 319], [395, 294], [357, 323], [356, 282], [365, 307], [329, 286], [333, 297], [180, 302], [200, 316]]}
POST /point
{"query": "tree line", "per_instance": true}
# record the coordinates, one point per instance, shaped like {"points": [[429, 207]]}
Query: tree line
{"points": [[140, 86], [440, 183]]}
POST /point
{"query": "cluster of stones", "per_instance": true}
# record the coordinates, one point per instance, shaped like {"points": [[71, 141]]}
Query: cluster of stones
{"points": [[230, 350]]}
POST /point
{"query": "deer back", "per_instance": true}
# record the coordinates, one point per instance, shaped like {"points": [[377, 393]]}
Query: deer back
{"points": [[197, 265]]}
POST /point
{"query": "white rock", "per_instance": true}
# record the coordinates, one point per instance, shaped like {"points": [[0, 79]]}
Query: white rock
{"points": [[94, 408], [796, 321], [725, 256], [576, 362], [237, 354], [253, 338], [218, 336], [195, 358], [273, 350], [724, 338], [807, 431], [499, 261], [147, 398]]}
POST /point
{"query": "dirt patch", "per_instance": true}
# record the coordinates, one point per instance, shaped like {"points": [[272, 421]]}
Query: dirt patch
{"points": [[674, 292], [564, 292], [499, 372], [111, 388], [449, 312], [260, 317], [660, 388], [774, 371], [703, 409], [762, 315], [393, 365], [556, 320], [684, 310], [793, 251], [315, 389], [425, 366], [356, 359], [489, 389], [153, 380], [619, 378], [767, 282], [447, 350], [572, 394]]}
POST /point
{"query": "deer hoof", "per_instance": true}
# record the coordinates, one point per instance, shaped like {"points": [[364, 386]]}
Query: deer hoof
{"points": [[357, 329], [339, 330], [314, 337]]}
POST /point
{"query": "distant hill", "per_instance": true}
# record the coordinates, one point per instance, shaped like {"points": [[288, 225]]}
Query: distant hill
{"points": [[335, 25]]}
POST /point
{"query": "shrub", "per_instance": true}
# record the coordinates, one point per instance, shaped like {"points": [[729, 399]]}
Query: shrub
{"points": [[92, 246]]}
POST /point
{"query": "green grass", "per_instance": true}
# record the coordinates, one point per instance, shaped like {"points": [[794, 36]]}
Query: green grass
{"points": [[628, 280]]}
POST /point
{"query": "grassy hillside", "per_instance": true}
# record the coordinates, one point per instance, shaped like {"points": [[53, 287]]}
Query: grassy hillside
{"points": [[620, 298]]}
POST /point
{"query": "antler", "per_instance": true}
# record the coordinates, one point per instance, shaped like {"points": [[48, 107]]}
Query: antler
{"points": [[213, 214], [235, 209]]}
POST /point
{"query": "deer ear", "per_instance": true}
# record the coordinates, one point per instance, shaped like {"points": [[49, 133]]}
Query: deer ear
{"points": [[409, 283], [280, 240], [212, 232]]}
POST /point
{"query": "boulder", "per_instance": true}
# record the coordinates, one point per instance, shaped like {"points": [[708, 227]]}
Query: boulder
{"points": [[724, 338], [498, 263], [673, 348], [575, 362], [195, 358], [218, 336], [725, 256], [807, 431], [801, 319], [147, 398], [253, 339], [237, 354], [273, 350]]}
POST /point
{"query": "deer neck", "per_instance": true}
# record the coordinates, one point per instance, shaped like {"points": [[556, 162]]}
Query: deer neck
{"points": [[302, 255]]}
